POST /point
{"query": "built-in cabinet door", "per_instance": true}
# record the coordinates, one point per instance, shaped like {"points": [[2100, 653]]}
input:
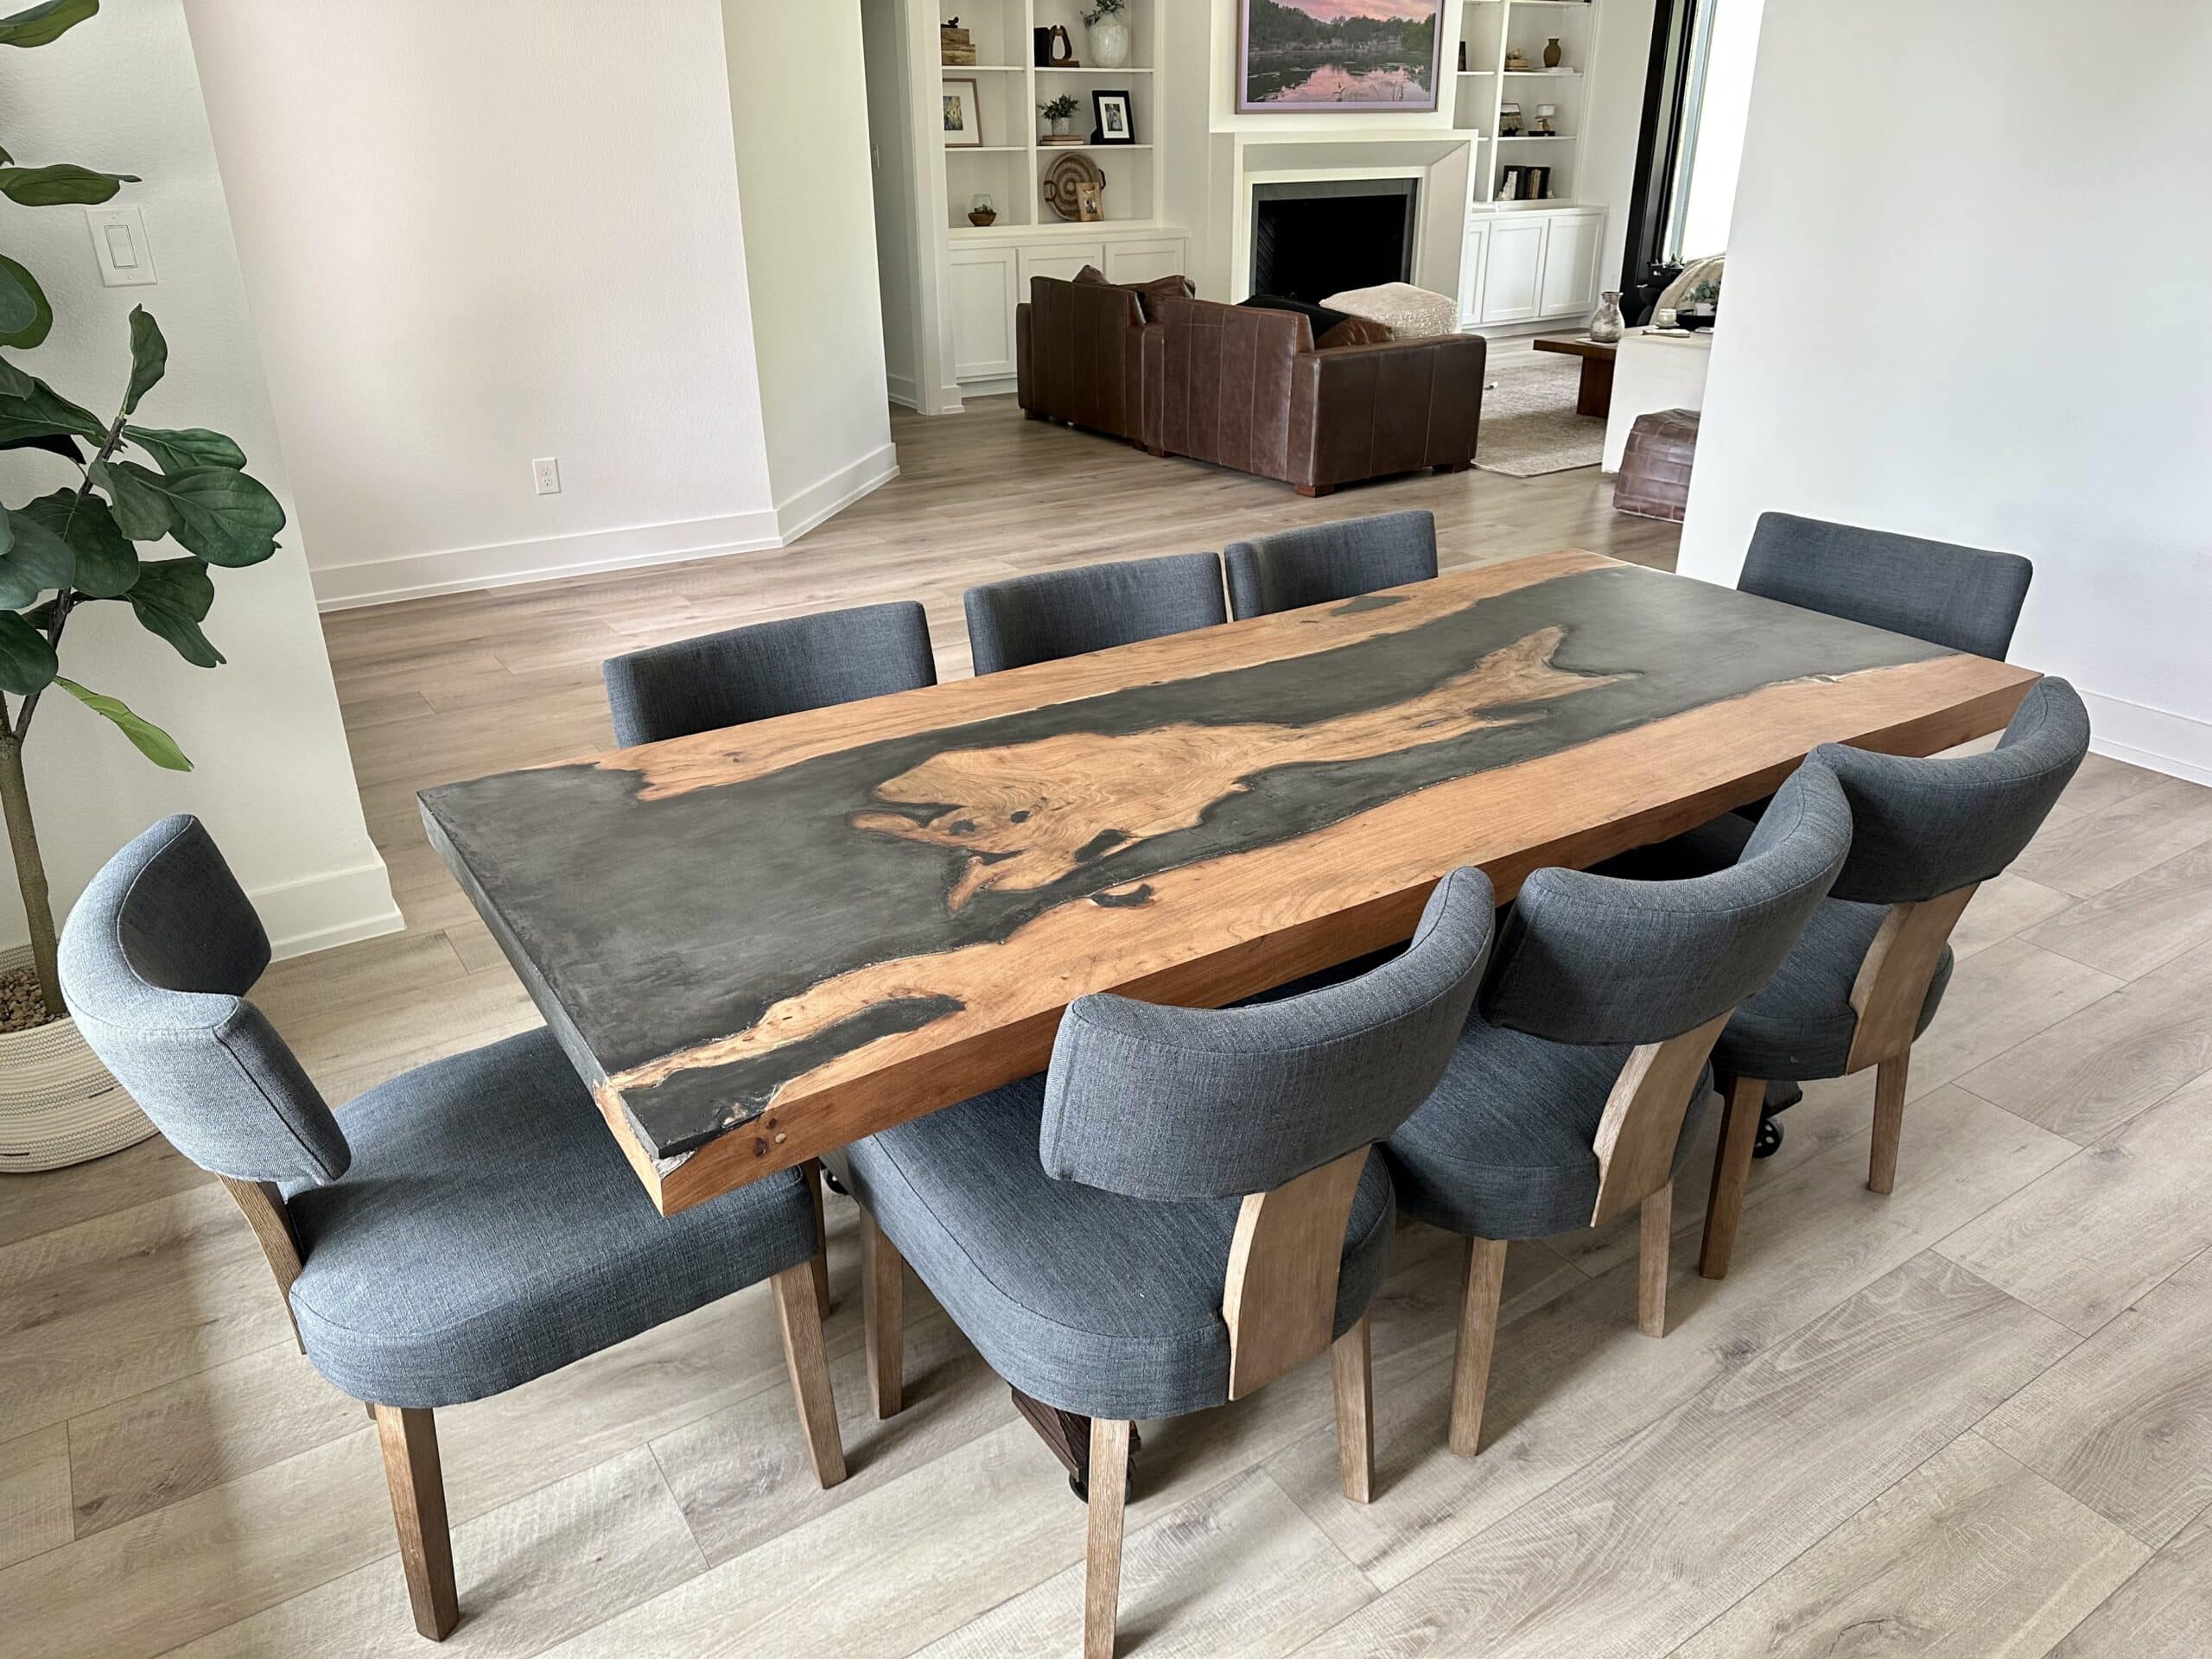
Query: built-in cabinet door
{"points": [[1513, 271], [1570, 282], [982, 300], [1145, 262], [1471, 275], [1060, 259]]}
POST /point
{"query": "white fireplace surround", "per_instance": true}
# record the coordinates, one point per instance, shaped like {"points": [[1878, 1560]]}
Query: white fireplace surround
{"points": [[1440, 164]]}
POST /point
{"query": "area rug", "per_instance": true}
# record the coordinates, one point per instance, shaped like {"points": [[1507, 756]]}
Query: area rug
{"points": [[1528, 425]]}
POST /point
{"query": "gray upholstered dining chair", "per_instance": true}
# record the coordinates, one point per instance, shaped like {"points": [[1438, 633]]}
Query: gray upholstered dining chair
{"points": [[1055, 614], [1870, 972], [1181, 1209], [1569, 1094], [1316, 564], [1960, 597], [464, 1228], [767, 669]]}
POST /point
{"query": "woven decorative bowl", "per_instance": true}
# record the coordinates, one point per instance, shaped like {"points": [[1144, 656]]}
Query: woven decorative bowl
{"points": [[58, 1104]]}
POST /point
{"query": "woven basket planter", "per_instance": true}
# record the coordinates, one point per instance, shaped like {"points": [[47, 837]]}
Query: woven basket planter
{"points": [[58, 1104]]}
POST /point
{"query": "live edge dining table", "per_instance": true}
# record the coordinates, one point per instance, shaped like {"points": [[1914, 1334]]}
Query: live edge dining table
{"points": [[761, 943]]}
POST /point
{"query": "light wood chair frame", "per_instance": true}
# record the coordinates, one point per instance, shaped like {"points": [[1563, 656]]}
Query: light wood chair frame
{"points": [[408, 1436], [1636, 1143], [1887, 995], [1279, 1300]]}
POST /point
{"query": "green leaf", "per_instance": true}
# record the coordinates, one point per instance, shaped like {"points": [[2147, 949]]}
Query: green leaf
{"points": [[25, 316], [43, 24], [14, 383], [64, 447], [61, 183], [156, 745], [27, 662], [219, 513], [42, 411], [40, 561], [172, 598], [106, 563], [149, 357], [142, 510], [186, 447]]}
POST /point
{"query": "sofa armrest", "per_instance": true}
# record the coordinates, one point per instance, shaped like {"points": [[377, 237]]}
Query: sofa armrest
{"points": [[1152, 386], [1367, 411], [1022, 394]]}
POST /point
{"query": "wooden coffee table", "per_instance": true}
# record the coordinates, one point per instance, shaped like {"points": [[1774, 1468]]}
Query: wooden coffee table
{"points": [[1595, 394]]}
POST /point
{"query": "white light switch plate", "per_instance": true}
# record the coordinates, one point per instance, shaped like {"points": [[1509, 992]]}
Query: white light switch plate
{"points": [[126, 258]]}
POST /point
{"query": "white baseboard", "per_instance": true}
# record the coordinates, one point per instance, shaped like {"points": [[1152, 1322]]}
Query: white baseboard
{"points": [[903, 390], [825, 497], [318, 912], [2178, 745]]}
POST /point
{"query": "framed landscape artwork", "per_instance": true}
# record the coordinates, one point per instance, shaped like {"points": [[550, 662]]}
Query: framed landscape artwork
{"points": [[1353, 56]]}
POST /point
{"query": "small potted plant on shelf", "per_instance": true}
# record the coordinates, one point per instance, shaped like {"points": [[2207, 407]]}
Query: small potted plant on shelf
{"points": [[1109, 33], [1058, 114], [69, 548]]}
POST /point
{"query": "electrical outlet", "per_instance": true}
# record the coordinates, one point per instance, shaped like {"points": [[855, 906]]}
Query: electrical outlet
{"points": [[545, 473]]}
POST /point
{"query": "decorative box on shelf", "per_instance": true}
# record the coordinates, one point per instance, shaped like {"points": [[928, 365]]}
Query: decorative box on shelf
{"points": [[956, 45]]}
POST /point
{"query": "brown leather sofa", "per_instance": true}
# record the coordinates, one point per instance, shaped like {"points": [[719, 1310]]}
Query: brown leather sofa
{"points": [[1245, 388], [1084, 354]]}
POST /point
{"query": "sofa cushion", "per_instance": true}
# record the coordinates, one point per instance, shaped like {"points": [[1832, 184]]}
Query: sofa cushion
{"points": [[1355, 331], [1320, 316]]}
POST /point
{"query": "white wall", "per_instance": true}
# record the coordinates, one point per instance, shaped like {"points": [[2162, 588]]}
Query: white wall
{"points": [[1963, 315], [479, 234], [883, 40], [797, 110], [274, 782], [1613, 121]]}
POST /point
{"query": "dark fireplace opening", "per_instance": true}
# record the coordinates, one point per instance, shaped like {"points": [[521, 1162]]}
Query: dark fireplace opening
{"points": [[1320, 237]]}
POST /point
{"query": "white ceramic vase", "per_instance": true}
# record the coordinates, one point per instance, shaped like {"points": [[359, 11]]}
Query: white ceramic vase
{"points": [[1109, 44], [58, 1104]]}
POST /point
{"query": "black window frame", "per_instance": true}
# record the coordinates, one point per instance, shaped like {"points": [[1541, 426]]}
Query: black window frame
{"points": [[1645, 269]]}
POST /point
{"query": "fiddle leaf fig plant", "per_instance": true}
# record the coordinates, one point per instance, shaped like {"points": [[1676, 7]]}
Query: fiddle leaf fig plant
{"points": [[105, 536]]}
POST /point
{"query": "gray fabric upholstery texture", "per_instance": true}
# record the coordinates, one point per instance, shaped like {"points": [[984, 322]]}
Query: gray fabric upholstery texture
{"points": [[767, 669], [1180, 1103], [1068, 1228], [1956, 596], [156, 959], [1316, 564], [1588, 958], [1090, 1300], [1922, 828], [1055, 614], [1800, 1024], [1506, 1147], [490, 1231]]}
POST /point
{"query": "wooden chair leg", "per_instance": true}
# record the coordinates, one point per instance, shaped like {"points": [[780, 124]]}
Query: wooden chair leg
{"points": [[409, 1438], [812, 1171], [883, 1295], [1658, 1227], [1351, 1367], [800, 1316], [1889, 1122], [1477, 1335], [1101, 1555], [1731, 1174]]}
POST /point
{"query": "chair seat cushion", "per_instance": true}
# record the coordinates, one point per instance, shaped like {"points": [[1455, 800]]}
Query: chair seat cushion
{"points": [[1088, 1300], [489, 1230], [1505, 1148], [1801, 1026]]}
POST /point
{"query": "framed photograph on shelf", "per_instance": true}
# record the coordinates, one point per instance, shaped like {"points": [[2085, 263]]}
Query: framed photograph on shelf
{"points": [[1114, 124], [1297, 57], [1091, 202], [963, 116]]}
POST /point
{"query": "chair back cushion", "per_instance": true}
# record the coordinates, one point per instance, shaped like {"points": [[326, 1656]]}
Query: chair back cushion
{"points": [[1956, 596], [1055, 614], [767, 669], [155, 961], [1922, 828], [1319, 562], [1594, 959], [1193, 1103]]}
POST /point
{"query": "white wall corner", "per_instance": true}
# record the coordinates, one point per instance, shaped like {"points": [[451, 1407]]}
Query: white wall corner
{"points": [[330, 908], [2179, 745], [825, 497]]}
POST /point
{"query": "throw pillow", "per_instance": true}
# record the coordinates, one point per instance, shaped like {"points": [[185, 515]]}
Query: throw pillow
{"points": [[1320, 316], [1150, 294], [1355, 331], [1091, 274]]}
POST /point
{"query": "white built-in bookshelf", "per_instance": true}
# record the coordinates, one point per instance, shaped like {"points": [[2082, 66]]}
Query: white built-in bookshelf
{"points": [[1491, 31]]}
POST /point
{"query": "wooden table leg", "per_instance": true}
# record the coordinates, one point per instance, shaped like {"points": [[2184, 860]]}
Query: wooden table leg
{"points": [[1594, 394], [1067, 1436]]}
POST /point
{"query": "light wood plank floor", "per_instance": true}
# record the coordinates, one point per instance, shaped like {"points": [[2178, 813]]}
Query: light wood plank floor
{"points": [[1972, 1419]]}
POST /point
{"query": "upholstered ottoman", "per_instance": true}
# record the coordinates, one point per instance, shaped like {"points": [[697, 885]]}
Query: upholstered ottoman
{"points": [[1410, 313]]}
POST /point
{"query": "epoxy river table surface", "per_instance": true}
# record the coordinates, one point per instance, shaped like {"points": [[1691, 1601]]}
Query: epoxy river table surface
{"points": [[761, 943]]}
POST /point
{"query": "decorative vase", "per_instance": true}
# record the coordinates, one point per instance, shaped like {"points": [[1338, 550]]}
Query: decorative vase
{"points": [[1551, 53], [1110, 43], [1059, 123], [1605, 320], [981, 212], [58, 1104]]}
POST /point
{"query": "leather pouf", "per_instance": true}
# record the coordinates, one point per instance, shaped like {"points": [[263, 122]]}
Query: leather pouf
{"points": [[1655, 476]]}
